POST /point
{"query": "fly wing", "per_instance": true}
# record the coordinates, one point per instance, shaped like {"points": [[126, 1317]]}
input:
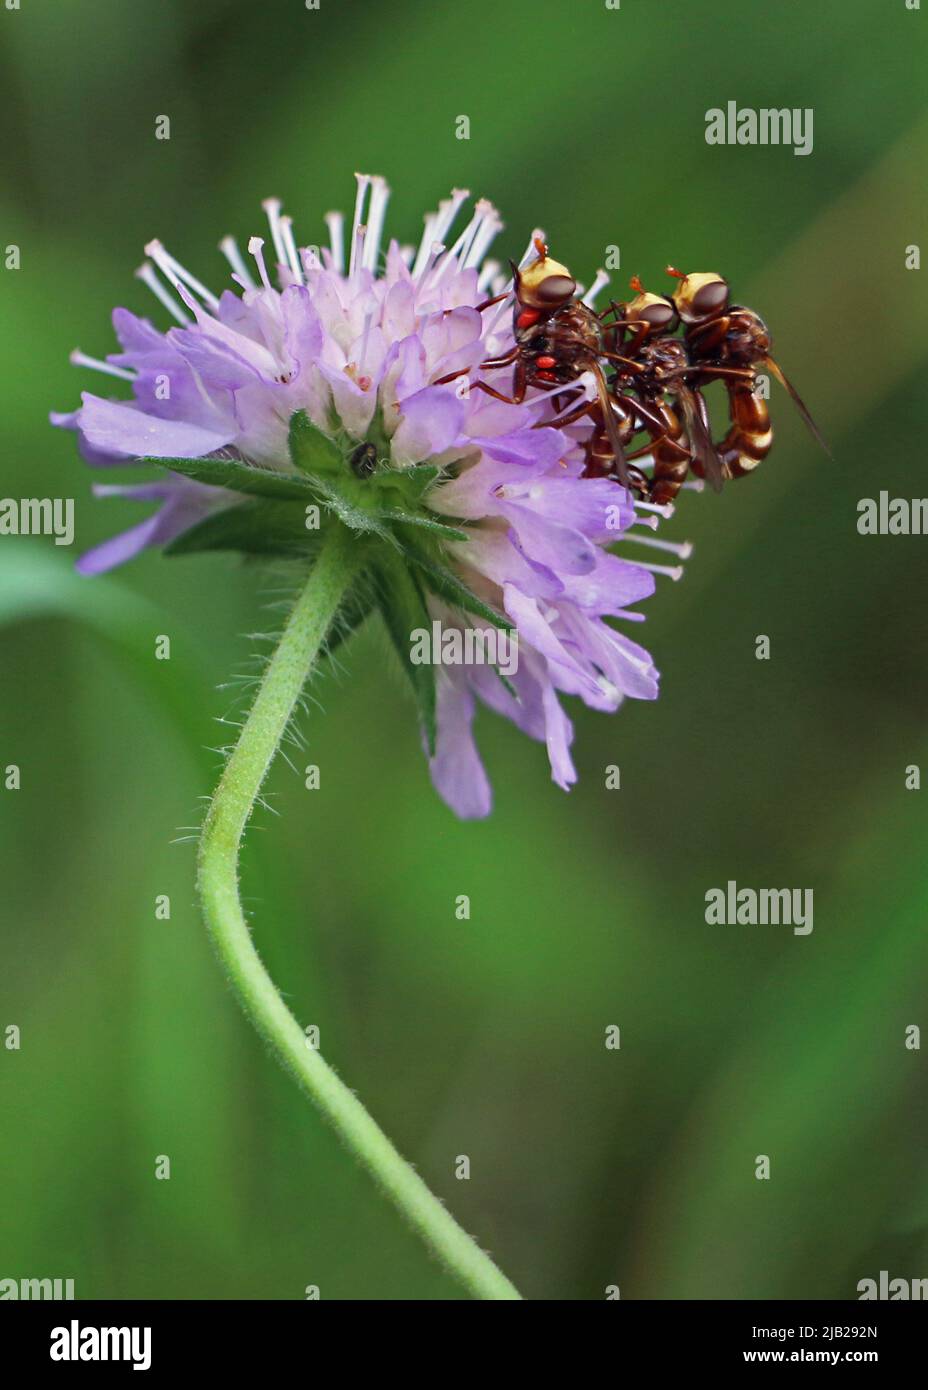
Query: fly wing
{"points": [[784, 380], [693, 407], [612, 429]]}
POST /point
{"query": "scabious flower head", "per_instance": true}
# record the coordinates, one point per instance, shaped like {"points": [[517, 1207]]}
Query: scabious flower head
{"points": [[318, 387]]}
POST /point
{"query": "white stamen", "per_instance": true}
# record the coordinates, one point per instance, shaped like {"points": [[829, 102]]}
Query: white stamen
{"points": [[293, 260], [462, 246], [380, 196], [80, 359], [461, 255], [531, 251], [664, 509], [255, 245], [424, 245], [434, 253], [451, 257], [489, 228], [673, 572], [407, 253], [172, 270], [695, 485], [600, 283], [272, 207], [335, 221], [146, 273], [364, 183], [587, 387], [489, 270], [357, 250], [437, 226], [554, 391], [448, 210], [229, 248], [682, 549]]}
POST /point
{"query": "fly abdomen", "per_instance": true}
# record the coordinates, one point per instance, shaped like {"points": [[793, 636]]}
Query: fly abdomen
{"points": [[748, 441], [672, 458]]}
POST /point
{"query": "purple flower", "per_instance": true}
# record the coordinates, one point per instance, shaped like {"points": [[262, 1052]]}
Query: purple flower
{"points": [[358, 341]]}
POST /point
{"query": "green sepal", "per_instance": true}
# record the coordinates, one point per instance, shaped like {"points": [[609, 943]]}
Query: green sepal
{"points": [[386, 505], [411, 483], [259, 527], [312, 451], [354, 503], [419, 478], [426, 522], [239, 477], [402, 604], [446, 584]]}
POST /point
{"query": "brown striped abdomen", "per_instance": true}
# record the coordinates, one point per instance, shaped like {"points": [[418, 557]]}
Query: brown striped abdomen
{"points": [[671, 459], [748, 441]]}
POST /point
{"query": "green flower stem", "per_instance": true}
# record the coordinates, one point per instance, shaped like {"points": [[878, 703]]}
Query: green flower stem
{"points": [[231, 807]]}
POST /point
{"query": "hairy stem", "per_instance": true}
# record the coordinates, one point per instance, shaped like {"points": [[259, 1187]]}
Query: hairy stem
{"points": [[303, 639]]}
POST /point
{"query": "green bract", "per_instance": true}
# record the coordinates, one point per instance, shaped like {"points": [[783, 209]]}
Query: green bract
{"points": [[290, 515]]}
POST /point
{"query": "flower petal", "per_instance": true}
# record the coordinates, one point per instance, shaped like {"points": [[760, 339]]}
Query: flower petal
{"points": [[119, 428], [430, 422], [457, 773]]}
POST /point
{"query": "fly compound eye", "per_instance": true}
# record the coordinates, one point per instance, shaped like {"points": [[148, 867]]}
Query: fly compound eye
{"points": [[653, 309], [701, 296], [545, 284], [661, 314], [711, 298], [555, 289]]}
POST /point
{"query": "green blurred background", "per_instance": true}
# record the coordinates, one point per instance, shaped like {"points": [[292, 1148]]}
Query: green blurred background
{"points": [[589, 1167]]}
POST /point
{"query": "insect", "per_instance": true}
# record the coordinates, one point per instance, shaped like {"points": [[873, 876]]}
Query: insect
{"points": [[558, 339], [652, 365], [728, 343], [363, 460], [648, 377]]}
